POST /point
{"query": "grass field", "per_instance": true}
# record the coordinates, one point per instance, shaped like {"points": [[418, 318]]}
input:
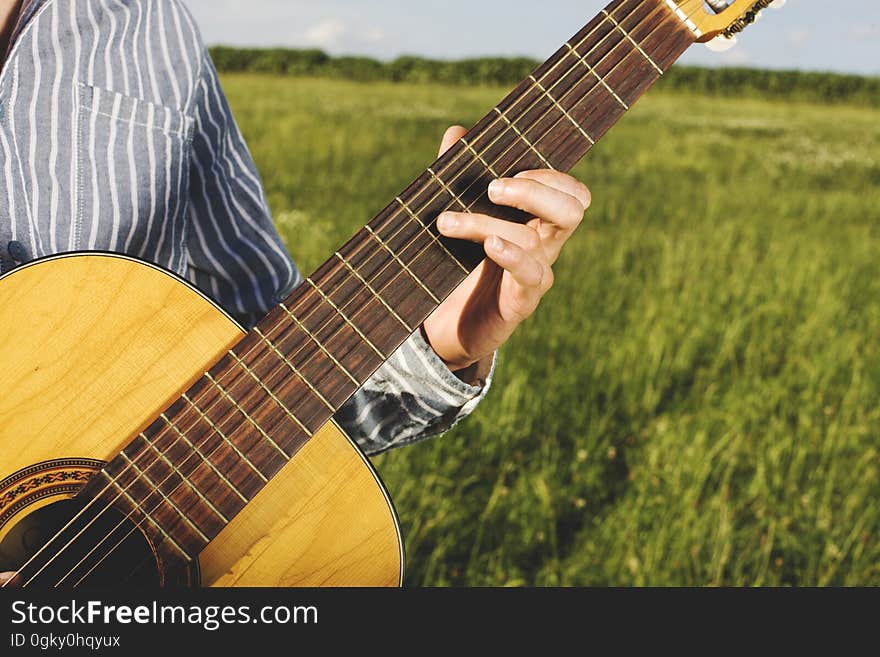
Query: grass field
{"points": [[698, 400]]}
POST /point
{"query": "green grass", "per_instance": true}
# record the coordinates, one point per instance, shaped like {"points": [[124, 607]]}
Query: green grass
{"points": [[697, 402]]}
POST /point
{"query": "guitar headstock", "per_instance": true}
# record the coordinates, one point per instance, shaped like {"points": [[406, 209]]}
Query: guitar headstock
{"points": [[725, 18]]}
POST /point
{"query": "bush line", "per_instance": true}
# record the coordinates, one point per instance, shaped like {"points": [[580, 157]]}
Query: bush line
{"points": [[796, 85]]}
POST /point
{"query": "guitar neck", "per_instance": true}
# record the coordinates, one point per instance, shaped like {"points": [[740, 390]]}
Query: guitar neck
{"points": [[361, 304], [264, 400]]}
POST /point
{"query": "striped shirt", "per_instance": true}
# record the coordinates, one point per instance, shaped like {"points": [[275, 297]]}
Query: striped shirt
{"points": [[116, 136]]}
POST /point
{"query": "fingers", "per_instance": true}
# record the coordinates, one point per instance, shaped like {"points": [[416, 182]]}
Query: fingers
{"points": [[452, 135], [534, 276], [5, 577], [479, 227], [562, 209], [515, 248], [563, 182]]}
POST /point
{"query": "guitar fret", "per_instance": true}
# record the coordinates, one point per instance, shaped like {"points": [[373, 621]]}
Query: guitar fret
{"points": [[598, 77], [180, 474], [433, 236], [523, 137], [274, 398], [683, 16], [563, 110], [480, 158], [147, 516], [243, 412], [321, 347], [633, 41], [338, 310], [376, 294], [589, 90], [294, 369], [231, 444], [451, 193], [404, 265], [167, 499], [207, 461]]}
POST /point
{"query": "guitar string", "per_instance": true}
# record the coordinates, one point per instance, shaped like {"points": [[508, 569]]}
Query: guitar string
{"points": [[556, 65], [237, 379], [134, 528], [562, 77], [184, 480]]}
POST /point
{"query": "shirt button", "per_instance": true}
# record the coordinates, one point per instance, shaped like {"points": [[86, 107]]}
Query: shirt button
{"points": [[17, 251]]}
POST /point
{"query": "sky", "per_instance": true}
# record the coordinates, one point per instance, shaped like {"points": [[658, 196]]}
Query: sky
{"points": [[833, 35]]}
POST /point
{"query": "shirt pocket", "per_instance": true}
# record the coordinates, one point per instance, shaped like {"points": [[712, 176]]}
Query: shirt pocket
{"points": [[132, 177]]}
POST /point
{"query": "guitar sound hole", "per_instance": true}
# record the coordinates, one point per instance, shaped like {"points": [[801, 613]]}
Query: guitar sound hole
{"points": [[110, 552]]}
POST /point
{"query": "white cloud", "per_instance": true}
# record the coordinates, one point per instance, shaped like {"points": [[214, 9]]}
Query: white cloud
{"points": [[737, 57], [334, 34], [865, 32], [374, 35], [326, 34], [799, 36]]}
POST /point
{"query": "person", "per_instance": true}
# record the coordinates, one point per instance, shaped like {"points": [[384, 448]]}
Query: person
{"points": [[116, 136]]}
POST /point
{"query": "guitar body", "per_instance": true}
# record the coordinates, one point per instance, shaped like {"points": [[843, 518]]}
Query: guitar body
{"points": [[92, 349]]}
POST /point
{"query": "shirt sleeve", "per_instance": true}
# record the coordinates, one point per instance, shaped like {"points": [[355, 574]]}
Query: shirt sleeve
{"points": [[236, 256]]}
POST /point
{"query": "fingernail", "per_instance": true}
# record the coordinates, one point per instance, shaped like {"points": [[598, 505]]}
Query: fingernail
{"points": [[495, 244], [497, 189], [446, 222]]}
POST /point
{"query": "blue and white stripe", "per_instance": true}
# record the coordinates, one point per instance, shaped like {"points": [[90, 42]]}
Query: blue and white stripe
{"points": [[116, 136]]}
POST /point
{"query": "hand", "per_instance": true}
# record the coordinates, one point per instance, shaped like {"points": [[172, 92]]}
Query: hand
{"points": [[5, 577], [506, 288]]}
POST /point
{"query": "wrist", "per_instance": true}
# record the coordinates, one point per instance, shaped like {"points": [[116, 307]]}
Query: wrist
{"points": [[464, 368]]}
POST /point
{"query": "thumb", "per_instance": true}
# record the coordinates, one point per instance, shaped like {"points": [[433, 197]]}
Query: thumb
{"points": [[452, 135]]}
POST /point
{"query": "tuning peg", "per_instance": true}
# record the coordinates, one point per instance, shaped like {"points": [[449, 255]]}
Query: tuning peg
{"points": [[718, 6], [721, 43], [777, 4]]}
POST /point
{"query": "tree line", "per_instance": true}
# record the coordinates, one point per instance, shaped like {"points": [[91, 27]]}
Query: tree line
{"points": [[824, 87]]}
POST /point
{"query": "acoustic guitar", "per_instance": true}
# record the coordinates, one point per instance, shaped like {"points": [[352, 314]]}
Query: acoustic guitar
{"points": [[146, 439]]}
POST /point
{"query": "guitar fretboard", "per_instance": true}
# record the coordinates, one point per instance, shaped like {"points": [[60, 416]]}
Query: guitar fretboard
{"points": [[209, 454]]}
